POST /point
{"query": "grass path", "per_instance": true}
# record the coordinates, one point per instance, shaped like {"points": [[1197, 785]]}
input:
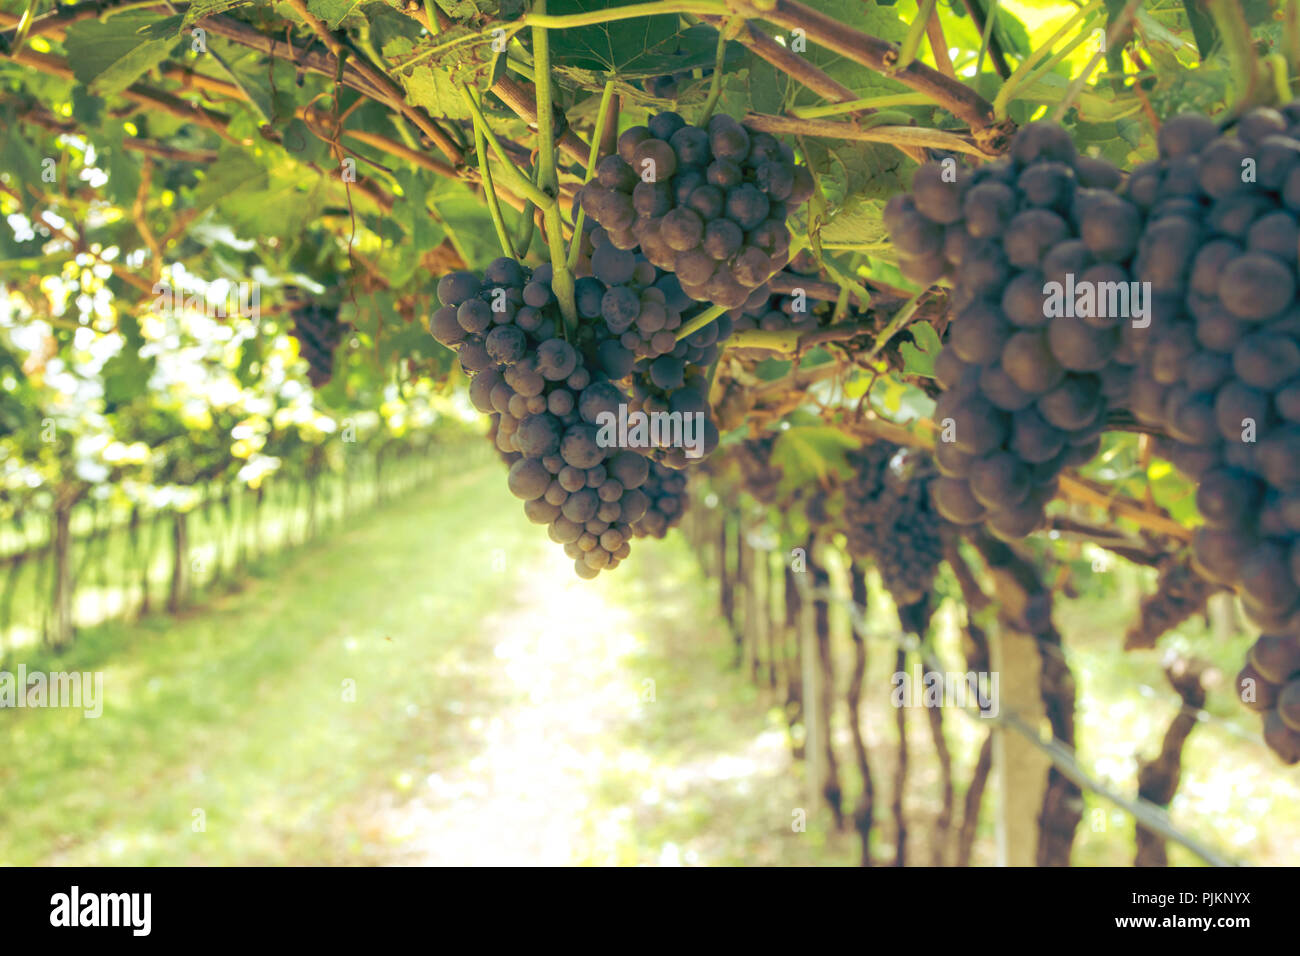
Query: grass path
{"points": [[503, 712]]}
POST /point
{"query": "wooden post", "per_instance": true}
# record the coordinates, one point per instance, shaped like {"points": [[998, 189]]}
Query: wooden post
{"points": [[1020, 768]]}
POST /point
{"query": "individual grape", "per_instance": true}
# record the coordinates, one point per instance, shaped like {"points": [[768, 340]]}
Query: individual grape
{"points": [[446, 328], [723, 239], [457, 287], [528, 479], [1255, 286], [682, 229], [612, 267]]}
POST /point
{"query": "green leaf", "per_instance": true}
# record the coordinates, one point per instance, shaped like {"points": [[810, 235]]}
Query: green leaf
{"points": [[919, 355], [233, 172], [422, 231], [431, 71], [851, 173], [769, 370], [108, 56], [615, 47], [206, 8], [20, 160], [333, 12], [1203, 28], [808, 453], [468, 226], [126, 375]]}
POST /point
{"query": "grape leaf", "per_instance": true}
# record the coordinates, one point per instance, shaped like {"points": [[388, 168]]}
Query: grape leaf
{"points": [[207, 8], [919, 354], [20, 160], [502, 9], [109, 56], [810, 453], [333, 12], [432, 70], [615, 47]]}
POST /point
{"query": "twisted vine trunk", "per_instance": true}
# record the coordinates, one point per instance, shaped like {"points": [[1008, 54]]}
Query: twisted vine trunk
{"points": [[726, 596], [791, 634], [831, 788], [863, 812], [977, 661], [900, 770], [1158, 779], [943, 824]]}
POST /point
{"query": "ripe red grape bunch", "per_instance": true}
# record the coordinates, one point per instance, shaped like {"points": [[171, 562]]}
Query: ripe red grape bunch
{"points": [[708, 204], [1221, 374], [1028, 377], [890, 521], [1207, 234], [545, 401], [318, 331]]}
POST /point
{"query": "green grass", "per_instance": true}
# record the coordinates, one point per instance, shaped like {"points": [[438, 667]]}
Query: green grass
{"points": [[237, 710]]}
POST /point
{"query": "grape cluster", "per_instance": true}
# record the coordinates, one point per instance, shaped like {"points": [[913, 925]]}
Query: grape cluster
{"points": [[545, 401], [1270, 685], [1220, 374], [318, 331], [891, 521], [633, 312], [1028, 374], [666, 490], [707, 204]]}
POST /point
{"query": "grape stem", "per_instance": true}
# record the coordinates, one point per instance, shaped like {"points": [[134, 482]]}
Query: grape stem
{"points": [[700, 321], [866, 103], [548, 182], [538, 17], [987, 44], [795, 341], [489, 190], [1238, 45], [894, 135], [1291, 34], [715, 82], [912, 42], [896, 324], [518, 181], [603, 118]]}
